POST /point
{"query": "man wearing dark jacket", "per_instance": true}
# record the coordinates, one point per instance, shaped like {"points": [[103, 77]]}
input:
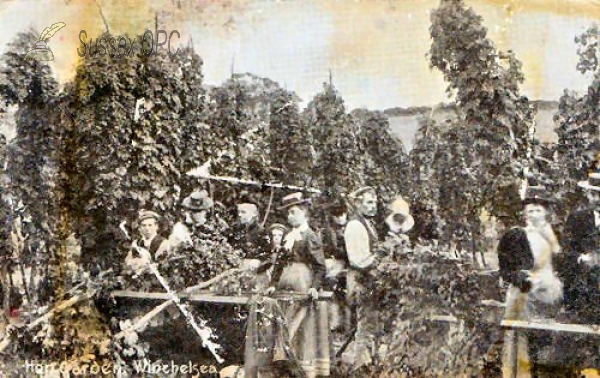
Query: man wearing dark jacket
{"points": [[251, 238], [581, 266]]}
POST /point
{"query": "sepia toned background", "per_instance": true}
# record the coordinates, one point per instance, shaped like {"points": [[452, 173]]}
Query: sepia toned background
{"points": [[374, 49]]}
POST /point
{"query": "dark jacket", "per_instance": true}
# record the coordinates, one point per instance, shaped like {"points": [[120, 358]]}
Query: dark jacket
{"points": [[335, 244], [514, 256], [309, 251], [253, 241], [582, 294]]}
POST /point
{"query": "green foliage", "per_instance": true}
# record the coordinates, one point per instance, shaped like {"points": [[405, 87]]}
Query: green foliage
{"points": [[387, 164], [32, 159]]}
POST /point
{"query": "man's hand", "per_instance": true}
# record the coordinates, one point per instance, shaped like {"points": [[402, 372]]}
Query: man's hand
{"points": [[313, 293], [269, 291]]}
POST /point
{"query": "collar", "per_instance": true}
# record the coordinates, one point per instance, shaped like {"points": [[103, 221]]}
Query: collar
{"points": [[149, 240]]}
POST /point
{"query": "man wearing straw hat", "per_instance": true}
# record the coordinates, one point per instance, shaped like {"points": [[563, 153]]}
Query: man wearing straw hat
{"points": [[196, 207]]}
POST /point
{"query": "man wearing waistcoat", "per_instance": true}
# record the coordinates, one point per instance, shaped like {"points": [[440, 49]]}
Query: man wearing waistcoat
{"points": [[360, 238]]}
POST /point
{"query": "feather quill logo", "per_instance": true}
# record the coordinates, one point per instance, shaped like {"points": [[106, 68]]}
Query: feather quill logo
{"points": [[41, 51]]}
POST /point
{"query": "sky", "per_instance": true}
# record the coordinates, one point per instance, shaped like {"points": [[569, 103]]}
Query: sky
{"points": [[375, 49]]}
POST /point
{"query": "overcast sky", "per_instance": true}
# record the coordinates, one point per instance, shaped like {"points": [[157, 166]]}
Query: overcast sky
{"points": [[375, 48]]}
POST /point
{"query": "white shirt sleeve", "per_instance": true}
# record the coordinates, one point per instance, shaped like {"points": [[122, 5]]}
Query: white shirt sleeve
{"points": [[358, 246]]}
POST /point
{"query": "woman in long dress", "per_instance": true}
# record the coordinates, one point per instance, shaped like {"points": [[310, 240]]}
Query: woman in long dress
{"points": [[300, 269]]}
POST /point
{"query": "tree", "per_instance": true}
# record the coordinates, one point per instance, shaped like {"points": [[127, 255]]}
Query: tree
{"points": [[498, 120], [424, 193], [385, 159], [289, 139], [32, 158], [578, 118], [338, 165]]}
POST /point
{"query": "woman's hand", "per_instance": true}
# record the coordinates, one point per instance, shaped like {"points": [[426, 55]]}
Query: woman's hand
{"points": [[313, 293]]}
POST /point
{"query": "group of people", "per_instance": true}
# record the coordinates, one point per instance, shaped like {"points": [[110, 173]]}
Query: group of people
{"points": [[550, 280], [296, 258]]}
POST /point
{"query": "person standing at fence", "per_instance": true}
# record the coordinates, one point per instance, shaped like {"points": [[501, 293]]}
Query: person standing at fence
{"points": [[337, 265], [525, 256], [248, 236], [196, 207], [581, 268], [151, 246], [580, 271], [360, 240], [300, 268]]}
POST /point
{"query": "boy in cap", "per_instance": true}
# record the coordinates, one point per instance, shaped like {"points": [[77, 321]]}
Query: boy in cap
{"points": [[150, 246]]}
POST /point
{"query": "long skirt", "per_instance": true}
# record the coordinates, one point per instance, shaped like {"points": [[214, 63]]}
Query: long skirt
{"points": [[306, 322], [265, 333]]}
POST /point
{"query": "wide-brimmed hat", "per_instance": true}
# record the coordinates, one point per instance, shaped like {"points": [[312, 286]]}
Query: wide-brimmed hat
{"points": [[294, 199], [537, 195], [147, 214], [198, 201], [400, 214], [592, 183]]}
